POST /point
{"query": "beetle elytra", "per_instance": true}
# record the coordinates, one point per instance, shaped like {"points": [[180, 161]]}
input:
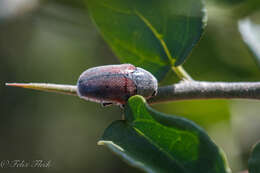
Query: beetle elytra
{"points": [[114, 84]]}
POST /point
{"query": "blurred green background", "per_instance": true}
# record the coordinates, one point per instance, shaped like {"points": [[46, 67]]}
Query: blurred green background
{"points": [[55, 41]]}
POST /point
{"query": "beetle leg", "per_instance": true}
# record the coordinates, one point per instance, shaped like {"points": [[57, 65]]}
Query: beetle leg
{"points": [[122, 106], [105, 104], [123, 116]]}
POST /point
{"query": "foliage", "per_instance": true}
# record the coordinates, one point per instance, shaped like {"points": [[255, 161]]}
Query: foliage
{"points": [[161, 143], [251, 35], [254, 160], [159, 36], [155, 35]]}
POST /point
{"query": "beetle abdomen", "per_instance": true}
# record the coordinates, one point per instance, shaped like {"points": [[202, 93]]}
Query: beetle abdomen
{"points": [[115, 83]]}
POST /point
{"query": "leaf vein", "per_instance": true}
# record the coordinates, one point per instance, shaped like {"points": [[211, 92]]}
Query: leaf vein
{"points": [[157, 35], [160, 148]]}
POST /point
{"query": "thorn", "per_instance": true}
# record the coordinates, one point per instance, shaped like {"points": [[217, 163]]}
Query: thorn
{"points": [[57, 88], [22, 85]]}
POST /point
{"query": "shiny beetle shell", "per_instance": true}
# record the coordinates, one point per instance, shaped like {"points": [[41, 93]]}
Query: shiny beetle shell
{"points": [[114, 84]]}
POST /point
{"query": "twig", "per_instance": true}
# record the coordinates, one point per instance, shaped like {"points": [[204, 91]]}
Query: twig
{"points": [[207, 90], [185, 90]]}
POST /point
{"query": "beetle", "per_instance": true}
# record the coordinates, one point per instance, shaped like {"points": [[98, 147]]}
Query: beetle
{"points": [[114, 84]]}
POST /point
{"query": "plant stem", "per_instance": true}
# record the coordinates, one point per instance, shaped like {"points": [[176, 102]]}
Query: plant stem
{"points": [[185, 90], [181, 73], [188, 90]]}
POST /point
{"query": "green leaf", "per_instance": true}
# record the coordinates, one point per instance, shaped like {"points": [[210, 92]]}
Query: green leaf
{"points": [[251, 36], [156, 142], [229, 2], [151, 34], [254, 160]]}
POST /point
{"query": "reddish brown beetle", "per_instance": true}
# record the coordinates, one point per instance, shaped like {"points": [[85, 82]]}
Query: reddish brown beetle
{"points": [[114, 84]]}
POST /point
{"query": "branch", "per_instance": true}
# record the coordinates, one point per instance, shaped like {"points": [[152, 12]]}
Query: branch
{"points": [[185, 90], [188, 90]]}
